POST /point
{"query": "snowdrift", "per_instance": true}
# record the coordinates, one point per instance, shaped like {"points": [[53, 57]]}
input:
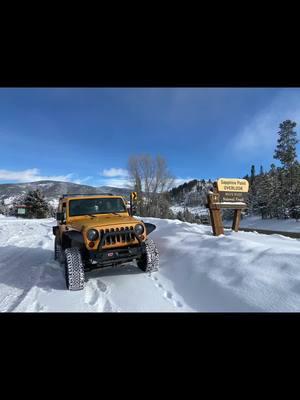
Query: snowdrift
{"points": [[255, 222], [241, 271]]}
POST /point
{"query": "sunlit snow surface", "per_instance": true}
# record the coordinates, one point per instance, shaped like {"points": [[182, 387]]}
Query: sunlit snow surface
{"points": [[198, 272]]}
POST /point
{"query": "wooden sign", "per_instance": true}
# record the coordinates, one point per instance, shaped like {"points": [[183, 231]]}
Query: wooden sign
{"points": [[233, 197], [133, 196], [233, 185], [227, 193]]}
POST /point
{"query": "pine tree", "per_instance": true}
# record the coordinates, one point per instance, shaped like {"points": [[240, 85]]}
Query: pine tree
{"points": [[286, 144], [286, 153], [259, 202], [261, 172], [294, 192], [274, 195], [36, 205], [252, 190], [282, 210], [252, 174]]}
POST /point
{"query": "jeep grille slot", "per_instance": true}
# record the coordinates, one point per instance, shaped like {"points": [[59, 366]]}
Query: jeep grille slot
{"points": [[117, 235], [113, 238]]}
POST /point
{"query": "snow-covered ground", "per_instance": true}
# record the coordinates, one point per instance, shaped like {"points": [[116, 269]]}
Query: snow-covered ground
{"points": [[198, 272], [284, 225]]}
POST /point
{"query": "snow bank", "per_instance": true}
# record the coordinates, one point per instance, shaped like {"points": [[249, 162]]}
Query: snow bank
{"points": [[6, 218], [233, 272], [198, 272], [285, 225]]}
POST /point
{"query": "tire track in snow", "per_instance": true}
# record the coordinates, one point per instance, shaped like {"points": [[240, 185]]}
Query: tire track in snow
{"points": [[24, 259], [32, 289], [30, 279]]}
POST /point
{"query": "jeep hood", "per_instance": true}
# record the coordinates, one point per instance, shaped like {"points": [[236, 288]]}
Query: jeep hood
{"points": [[102, 221]]}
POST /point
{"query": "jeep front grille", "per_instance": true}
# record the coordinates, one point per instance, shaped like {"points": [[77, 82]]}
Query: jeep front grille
{"points": [[119, 235]]}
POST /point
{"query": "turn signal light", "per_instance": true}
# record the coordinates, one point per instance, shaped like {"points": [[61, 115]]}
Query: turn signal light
{"points": [[142, 237], [91, 244]]}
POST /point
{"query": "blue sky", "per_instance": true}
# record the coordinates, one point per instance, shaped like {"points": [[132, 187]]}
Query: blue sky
{"points": [[86, 135]]}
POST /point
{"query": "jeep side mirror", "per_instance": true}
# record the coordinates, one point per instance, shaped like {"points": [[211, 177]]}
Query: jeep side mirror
{"points": [[60, 216]]}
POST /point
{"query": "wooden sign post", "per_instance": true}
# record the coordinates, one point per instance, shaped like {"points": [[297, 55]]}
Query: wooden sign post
{"points": [[133, 199], [227, 193], [215, 213]]}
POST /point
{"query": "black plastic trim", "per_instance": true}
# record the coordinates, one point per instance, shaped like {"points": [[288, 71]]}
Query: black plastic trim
{"points": [[74, 235], [149, 227]]}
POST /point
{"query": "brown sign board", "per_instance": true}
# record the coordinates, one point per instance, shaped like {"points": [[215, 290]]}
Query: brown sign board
{"points": [[227, 193], [233, 197], [233, 185]]}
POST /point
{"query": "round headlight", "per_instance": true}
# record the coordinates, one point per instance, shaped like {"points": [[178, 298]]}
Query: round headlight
{"points": [[139, 229], [92, 234]]}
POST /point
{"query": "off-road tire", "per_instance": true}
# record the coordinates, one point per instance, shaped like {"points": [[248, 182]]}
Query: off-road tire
{"points": [[149, 262], [74, 269]]}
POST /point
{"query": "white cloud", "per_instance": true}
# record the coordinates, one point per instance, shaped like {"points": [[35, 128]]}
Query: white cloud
{"points": [[260, 134], [125, 183], [114, 172], [115, 182], [117, 177], [83, 180], [30, 175]]}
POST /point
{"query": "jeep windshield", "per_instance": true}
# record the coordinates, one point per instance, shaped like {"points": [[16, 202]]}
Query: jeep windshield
{"points": [[96, 206]]}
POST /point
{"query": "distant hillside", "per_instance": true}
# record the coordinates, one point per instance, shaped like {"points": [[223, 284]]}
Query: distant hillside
{"points": [[52, 190], [190, 194]]}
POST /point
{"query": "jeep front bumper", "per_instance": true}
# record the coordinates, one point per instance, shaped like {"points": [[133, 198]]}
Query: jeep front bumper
{"points": [[115, 255]]}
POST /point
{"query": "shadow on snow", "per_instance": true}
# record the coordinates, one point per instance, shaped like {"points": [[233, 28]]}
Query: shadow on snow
{"points": [[27, 267]]}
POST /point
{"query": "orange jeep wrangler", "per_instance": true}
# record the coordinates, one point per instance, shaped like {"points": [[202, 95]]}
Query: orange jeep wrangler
{"points": [[96, 231]]}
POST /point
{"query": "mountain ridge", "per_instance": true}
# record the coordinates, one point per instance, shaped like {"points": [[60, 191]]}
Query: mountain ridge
{"points": [[189, 194], [52, 190]]}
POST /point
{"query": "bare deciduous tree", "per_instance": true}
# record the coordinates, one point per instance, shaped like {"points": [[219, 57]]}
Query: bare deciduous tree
{"points": [[151, 180]]}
